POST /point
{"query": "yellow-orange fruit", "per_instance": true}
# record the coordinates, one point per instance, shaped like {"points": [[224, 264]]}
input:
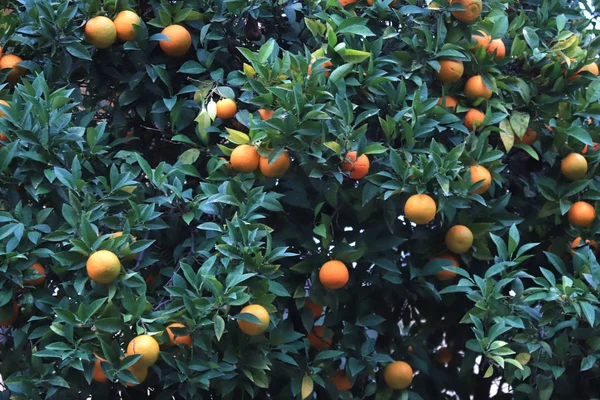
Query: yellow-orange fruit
{"points": [[459, 239], [39, 268], [100, 31], [125, 251], [358, 168], [577, 242], [334, 274], [497, 45], [244, 158], [147, 346], [444, 355], [482, 39], [451, 102], [103, 266], [420, 208], [475, 88], [179, 41], [592, 68], [341, 381], [450, 71], [226, 108], [251, 328], [398, 375], [315, 309], [529, 137], [11, 61], [479, 173], [140, 373], [277, 168], [317, 338], [265, 114], [445, 275], [183, 339], [574, 166], [98, 375], [581, 214], [472, 12], [124, 22], [473, 119], [344, 3]]}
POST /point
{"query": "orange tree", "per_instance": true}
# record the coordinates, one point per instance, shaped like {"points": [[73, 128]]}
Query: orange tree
{"points": [[283, 199]]}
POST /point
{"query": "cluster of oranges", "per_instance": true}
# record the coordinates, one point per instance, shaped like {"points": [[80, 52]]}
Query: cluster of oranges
{"points": [[10, 61]]}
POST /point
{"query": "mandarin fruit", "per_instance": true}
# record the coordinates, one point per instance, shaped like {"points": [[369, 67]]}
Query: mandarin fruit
{"points": [[318, 339], [420, 209], [265, 114], [581, 214], [100, 31], [450, 71], [315, 309], [98, 374], [459, 239], [475, 88], [472, 12], [124, 22], [341, 381], [277, 168], [145, 345], [358, 168], [179, 339], [445, 275], [398, 375], [244, 158], [450, 102], [11, 61], [334, 274], [39, 268], [226, 108], [574, 166], [179, 41], [140, 374], [480, 173], [103, 266], [251, 328], [474, 119]]}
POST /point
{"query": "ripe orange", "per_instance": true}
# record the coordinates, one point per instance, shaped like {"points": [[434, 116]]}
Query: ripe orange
{"points": [[475, 88], [11, 61], [317, 339], [577, 242], [244, 158], [398, 375], [592, 67], [341, 381], [179, 41], [277, 168], [472, 12], [451, 102], [185, 339], [473, 119], [314, 308], [479, 173], [140, 373], [344, 3], [445, 275], [420, 209], [334, 274], [497, 45], [450, 71], [250, 328], [3, 137], [265, 114], [482, 39], [39, 268], [358, 168], [98, 375], [3, 102], [103, 266], [125, 251], [9, 314], [581, 214], [228, 165], [145, 345], [124, 22], [595, 147], [100, 31], [459, 239], [529, 137], [574, 166], [325, 65], [444, 355], [226, 108]]}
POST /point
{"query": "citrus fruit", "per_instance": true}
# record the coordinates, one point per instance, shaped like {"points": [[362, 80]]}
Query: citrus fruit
{"points": [[126, 250], [497, 45], [98, 375], [529, 137], [451, 102], [244, 158], [479, 173], [450, 71], [577, 242], [482, 39], [592, 68], [344, 3], [445, 275], [398, 375], [3, 137], [474, 119], [317, 338], [226, 108], [581, 214], [3, 102], [140, 373], [124, 22], [39, 268], [145, 345], [333, 274], [9, 314], [103, 266], [277, 168], [420, 208], [11, 61], [179, 41], [459, 239], [325, 65], [265, 114], [472, 12], [228, 165], [358, 168], [574, 166], [315, 309], [183, 339], [595, 147], [444, 355], [251, 328], [341, 381], [475, 88], [100, 31]]}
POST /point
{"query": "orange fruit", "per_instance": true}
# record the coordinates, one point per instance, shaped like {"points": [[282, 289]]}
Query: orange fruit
{"points": [[315, 309], [577, 242], [445, 275], [475, 88], [497, 45], [9, 314], [472, 12], [420, 208], [344, 3], [451, 102], [277, 168], [479, 173], [574, 166], [581, 214], [145, 345], [341, 381], [591, 67], [265, 114], [3, 102], [398, 375], [103, 266], [444, 355], [0, 51], [11, 61], [226, 108], [450, 71], [317, 339], [244, 158], [334, 274], [98, 375], [39, 268], [140, 373], [474, 119], [125, 251], [325, 65], [358, 168], [185, 339], [100, 31], [179, 41], [595, 147], [459, 239], [3, 137], [124, 22], [250, 328], [529, 137], [482, 39], [228, 165]]}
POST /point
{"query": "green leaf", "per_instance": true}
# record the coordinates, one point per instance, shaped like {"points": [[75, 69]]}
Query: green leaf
{"points": [[219, 324], [77, 50], [189, 156]]}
